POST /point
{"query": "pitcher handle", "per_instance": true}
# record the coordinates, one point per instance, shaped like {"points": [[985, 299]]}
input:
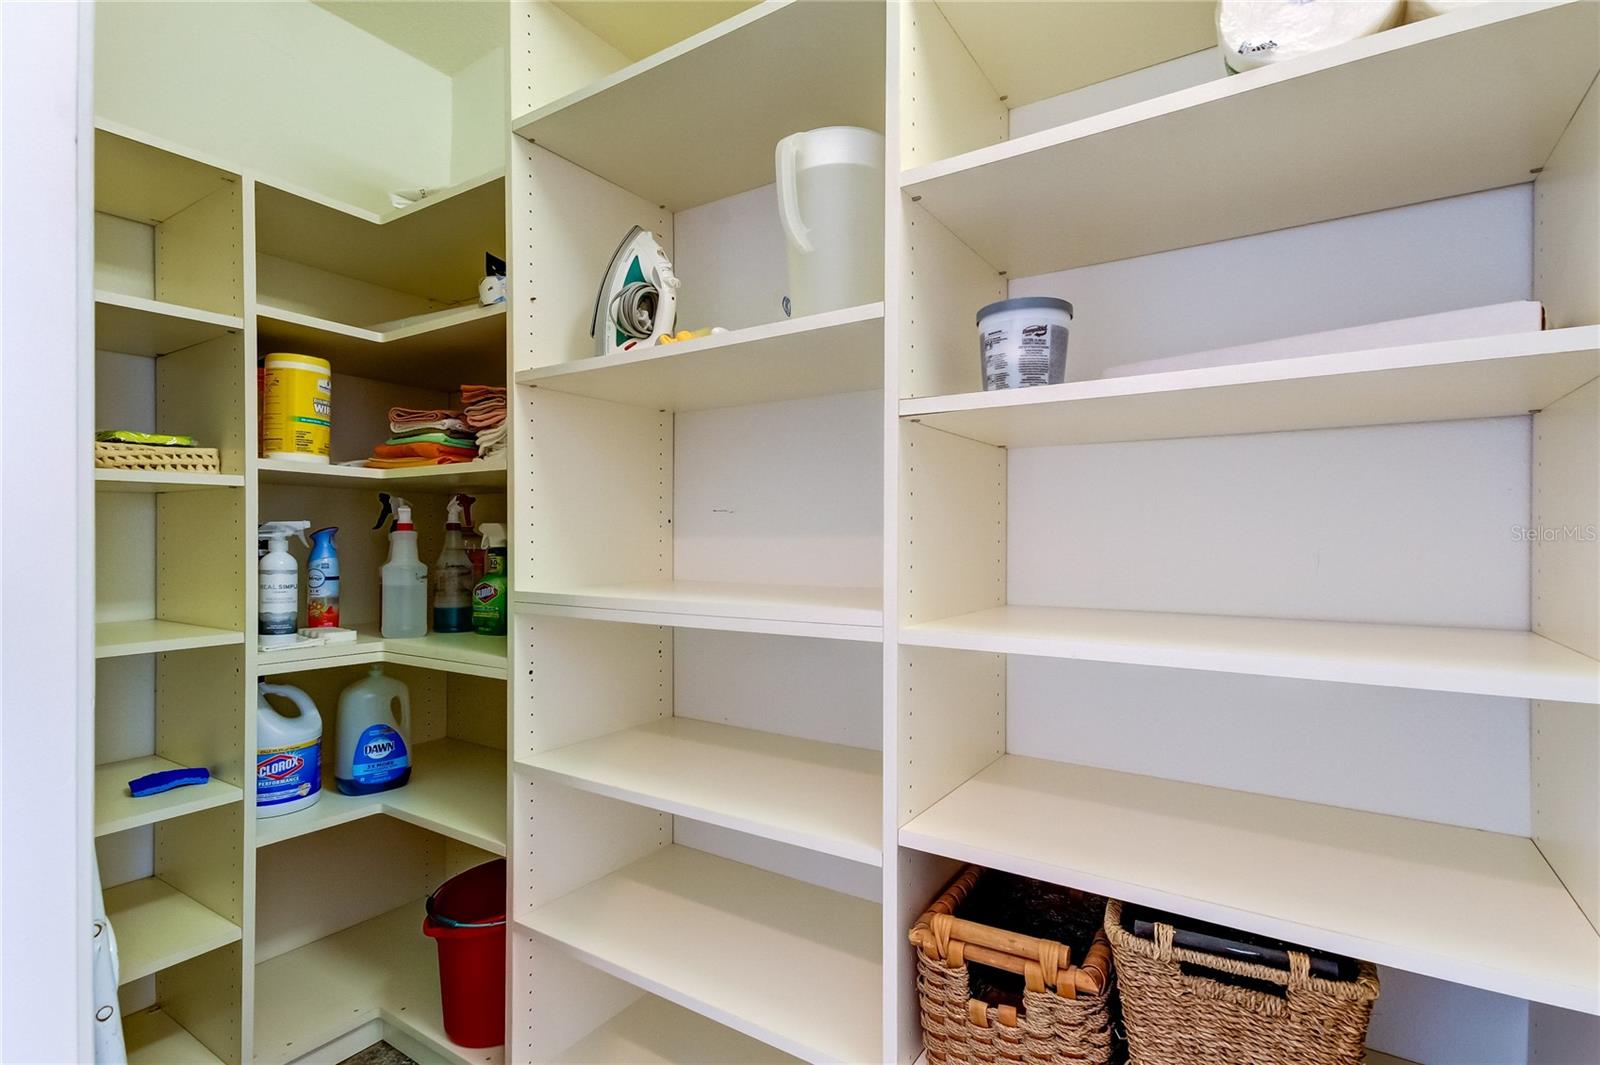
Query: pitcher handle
{"points": [[788, 196]]}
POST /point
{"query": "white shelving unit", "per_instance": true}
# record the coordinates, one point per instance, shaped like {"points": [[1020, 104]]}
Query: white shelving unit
{"points": [[208, 903], [1254, 642], [804, 620]]}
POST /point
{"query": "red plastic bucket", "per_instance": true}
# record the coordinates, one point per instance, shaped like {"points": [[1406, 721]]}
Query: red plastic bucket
{"points": [[467, 916]]}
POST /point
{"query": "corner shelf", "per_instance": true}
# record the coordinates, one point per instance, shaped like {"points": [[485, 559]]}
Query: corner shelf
{"points": [[154, 1038], [113, 639], [1326, 142], [147, 482], [1472, 907], [720, 101], [383, 968], [487, 473], [457, 789], [432, 249], [448, 652], [817, 355], [824, 797], [442, 350], [158, 926], [1487, 377], [1506, 662], [653, 1031], [734, 943], [834, 613], [115, 810], [134, 325]]}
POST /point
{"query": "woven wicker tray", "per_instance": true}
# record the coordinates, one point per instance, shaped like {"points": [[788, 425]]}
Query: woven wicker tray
{"points": [[156, 459]]}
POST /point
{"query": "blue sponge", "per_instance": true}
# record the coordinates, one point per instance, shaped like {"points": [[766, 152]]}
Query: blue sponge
{"points": [[166, 780]]}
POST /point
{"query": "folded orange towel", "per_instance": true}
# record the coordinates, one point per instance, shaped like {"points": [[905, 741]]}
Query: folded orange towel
{"points": [[424, 451], [403, 464]]}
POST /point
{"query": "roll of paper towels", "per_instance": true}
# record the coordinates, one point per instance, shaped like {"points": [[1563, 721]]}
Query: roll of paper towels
{"points": [[1417, 10], [1258, 33]]}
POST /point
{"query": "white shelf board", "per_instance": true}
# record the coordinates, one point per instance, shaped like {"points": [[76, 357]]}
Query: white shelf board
{"points": [[451, 477], [148, 482], [154, 1038], [442, 350], [134, 325], [158, 926], [717, 103], [457, 789], [383, 968], [1326, 139], [115, 810], [113, 639], [136, 179], [448, 652], [433, 249], [834, 613], [1488, 377], [653, 1031], [821, 796], [1505, 662], [817, 355], [1472, 907], [782, 961]]}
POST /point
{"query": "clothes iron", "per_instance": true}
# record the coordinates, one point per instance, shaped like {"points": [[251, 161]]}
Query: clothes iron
{"points": [[638, 300]]}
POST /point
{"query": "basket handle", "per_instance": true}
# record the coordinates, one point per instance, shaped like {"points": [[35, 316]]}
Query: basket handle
{"points": [[1042, 963], [1297, 980]]}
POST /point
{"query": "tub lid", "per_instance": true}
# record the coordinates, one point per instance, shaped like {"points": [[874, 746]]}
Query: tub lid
{"points": [[1024, 302]]}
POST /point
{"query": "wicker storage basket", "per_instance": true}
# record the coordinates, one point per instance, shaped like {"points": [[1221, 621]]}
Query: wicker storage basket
{"points": [[984, 919], [1175, 1014], [109, 456]]}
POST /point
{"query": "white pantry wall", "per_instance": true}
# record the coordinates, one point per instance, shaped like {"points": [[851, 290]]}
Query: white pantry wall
{"points": [[282, 87], [1466, 251]]}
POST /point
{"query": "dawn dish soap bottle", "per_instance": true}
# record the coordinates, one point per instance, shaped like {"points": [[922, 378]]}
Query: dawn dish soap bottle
{"points": [[374, 730], [403, 579], [489, 599], [452, 575]]}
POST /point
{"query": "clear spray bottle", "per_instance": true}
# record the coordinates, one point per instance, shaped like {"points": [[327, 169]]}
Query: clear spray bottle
{"points": [[404, 578]]}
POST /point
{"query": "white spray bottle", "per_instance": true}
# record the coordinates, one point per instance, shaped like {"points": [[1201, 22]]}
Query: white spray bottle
{"points": [[279, 575], [404, 578]]}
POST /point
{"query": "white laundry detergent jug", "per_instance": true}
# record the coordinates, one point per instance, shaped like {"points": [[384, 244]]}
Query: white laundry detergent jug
{"points": [[288, 753], [830, 203]]}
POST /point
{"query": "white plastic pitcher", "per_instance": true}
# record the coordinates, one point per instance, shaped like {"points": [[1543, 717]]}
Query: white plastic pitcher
{"points": [[830, 202]]}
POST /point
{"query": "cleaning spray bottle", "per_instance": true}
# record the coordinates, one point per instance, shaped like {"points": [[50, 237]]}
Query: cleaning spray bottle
{"points": [[470, 534], [279, 576], [489, 597], [288, 753], [404, 578], [322, 581], [452, 576], [373, 755]]}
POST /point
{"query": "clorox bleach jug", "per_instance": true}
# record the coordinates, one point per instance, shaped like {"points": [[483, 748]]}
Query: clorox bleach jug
{"points": [[374, 728], [288, 753]]}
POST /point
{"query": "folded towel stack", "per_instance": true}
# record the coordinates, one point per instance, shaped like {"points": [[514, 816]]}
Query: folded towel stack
{"points": [[483, 408], [424, 438]]}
